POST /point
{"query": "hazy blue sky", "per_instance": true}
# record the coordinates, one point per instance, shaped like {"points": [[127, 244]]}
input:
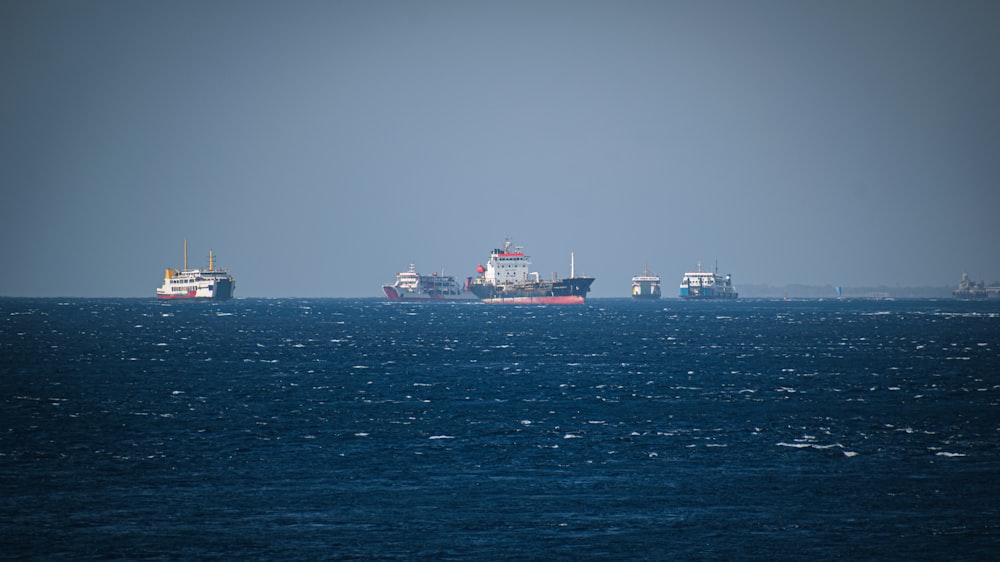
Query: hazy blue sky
{"points": [[320, 147]]}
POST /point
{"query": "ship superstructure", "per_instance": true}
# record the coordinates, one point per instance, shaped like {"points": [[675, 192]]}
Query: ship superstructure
{"points": [[645, 286], [197, 284], [506, 279], [412, 286], [707, 285]]}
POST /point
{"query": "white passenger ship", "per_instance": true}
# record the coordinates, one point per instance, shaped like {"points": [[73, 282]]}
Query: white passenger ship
{"points": [[412, 286], [707, 285], [197, 284]]}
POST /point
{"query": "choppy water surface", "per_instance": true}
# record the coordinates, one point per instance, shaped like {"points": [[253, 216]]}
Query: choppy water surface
{"points": [[338, 429]]}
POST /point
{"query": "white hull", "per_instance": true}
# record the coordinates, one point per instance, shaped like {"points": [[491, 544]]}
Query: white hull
{"points": [[197, 284]]}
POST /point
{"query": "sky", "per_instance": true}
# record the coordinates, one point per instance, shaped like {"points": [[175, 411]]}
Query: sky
{"points": [[318, 148]]}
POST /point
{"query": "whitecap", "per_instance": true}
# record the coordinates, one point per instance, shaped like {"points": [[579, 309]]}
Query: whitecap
{"points": [[947, 454], [794, 445], [441, 437]]}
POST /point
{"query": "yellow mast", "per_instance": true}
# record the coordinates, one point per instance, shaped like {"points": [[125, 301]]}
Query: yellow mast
{"points": [[185, 254], [211, 261]]}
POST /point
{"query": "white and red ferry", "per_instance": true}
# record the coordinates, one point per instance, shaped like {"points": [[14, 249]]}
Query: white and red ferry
{"points": [[197, 284], [506, 279], [412, 286]]}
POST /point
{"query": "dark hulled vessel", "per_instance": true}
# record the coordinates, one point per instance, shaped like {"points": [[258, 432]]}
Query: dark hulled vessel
{"points": [[506, 280]]}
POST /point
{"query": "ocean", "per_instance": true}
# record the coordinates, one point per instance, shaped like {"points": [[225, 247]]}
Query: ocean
{"points": [[342, 429]]}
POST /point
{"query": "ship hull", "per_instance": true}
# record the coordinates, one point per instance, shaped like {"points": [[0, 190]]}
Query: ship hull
{"points": [[645, 291], [564, 291], [395, 295], [705, 295], [571, 299], [645, 297], [222, 290]]}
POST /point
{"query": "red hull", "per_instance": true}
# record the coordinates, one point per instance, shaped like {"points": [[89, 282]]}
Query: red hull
{"points": [[187, 295], [568, 299]]}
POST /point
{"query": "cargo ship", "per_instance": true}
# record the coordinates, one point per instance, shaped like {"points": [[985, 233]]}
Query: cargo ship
{"points": [[197, 284], [506, 280], [412, 286], [969, 289], [645, 286], [707, 285]]}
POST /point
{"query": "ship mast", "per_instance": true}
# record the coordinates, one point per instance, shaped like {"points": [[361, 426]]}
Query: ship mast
{"points": [[185, 254], [572, 265], [211, 260]]}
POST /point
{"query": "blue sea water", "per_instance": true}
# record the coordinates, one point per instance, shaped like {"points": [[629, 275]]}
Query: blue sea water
{"points": [[333, 429]]}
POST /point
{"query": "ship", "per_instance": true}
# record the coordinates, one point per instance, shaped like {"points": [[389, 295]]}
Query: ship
{"points": [[412, 286], [969, 289], [707, 285], [197, 284], [506, 280], [645, 286]]}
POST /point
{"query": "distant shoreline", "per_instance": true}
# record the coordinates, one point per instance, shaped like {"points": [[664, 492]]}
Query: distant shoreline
{"points": [[825, 291]]}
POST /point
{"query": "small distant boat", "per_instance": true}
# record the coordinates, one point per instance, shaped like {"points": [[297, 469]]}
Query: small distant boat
{"points": [[645, 286], [412, 286], [197, 284], [707, 285]]}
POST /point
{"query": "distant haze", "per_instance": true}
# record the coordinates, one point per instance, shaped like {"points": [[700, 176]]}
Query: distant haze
{"points": [[320, 147]]}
